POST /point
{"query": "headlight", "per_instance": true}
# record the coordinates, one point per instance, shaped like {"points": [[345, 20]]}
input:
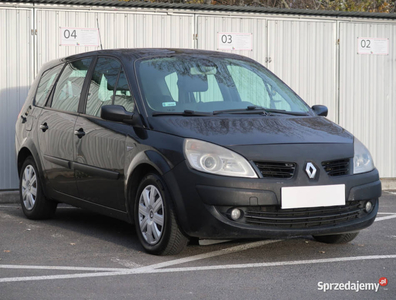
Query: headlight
{"points": [[210, 158], [362, 161]]}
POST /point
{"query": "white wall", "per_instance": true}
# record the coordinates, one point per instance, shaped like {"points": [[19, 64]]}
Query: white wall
{"points": [[16, 75], [316, 56]]}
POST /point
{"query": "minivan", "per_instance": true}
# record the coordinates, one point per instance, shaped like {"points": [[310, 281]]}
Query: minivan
{"points": [[189, 144]]}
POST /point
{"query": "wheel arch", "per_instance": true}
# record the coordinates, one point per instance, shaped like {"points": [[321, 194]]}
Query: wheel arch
{"points": [[144, 163], [26, 150]]}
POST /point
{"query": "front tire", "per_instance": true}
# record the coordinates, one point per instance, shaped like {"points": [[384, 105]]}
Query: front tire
{"points": [[336, 238], [34, 204], [155, 220]]}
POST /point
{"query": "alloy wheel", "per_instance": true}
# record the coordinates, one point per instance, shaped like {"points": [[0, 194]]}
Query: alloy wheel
{"points": [[151, 214], [29, 187]]}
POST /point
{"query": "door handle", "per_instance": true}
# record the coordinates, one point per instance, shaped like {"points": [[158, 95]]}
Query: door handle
{"points": [[44, 127], [80, 133]]}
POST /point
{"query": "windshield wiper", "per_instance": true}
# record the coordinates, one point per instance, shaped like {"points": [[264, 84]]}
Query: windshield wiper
{"points": [[285, 112], [248, 110], [181, 113]]}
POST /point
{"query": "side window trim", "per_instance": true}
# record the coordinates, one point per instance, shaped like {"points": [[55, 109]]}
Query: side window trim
{"points": [[82, 106], [49, 95], [48, 103], [116, 83]]}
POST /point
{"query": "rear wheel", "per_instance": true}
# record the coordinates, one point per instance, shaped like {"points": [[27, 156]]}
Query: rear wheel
{"points": [[155, 220], [34, 204], [336, 238]]}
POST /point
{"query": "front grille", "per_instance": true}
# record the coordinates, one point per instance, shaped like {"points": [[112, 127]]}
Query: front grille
{"points": [[336, 167], [276, 169], [273, 216]]}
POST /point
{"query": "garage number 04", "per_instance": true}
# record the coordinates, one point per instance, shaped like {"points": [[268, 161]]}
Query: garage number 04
{"points": [[67, 34]]}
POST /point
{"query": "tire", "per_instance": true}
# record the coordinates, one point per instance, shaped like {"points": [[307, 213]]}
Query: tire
{"points": [[155, 220], [34, 204], [336, 238]]}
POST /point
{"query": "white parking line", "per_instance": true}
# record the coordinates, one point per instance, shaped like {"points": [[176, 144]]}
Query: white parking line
{"points": [[275, 264], [211, 254], [114, 272], [27, 267], [148, 270], [385, 218]]}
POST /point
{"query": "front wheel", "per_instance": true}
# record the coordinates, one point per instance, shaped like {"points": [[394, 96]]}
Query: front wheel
{"points": [[155, 220], [34, 204], [336, 238]]}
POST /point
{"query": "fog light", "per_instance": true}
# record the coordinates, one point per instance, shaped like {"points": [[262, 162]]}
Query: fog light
{"points": [[369, 207], [236, 214]]}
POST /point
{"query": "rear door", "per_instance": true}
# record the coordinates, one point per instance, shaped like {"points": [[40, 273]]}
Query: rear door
{"points": [[100, 157], [56, 124]]}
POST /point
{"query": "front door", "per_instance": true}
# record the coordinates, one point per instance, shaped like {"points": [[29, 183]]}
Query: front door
{"points": [[100, 147]]}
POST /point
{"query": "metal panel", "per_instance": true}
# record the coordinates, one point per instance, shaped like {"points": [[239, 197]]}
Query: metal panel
{"points": [[368, 91], [15, 79], [225, 9], [117, 30], [209, 26], [303, 54]]}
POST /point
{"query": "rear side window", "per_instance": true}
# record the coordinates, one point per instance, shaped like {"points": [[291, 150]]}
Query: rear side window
{"points": [[46, 83], [68, 89], [101, 89]]}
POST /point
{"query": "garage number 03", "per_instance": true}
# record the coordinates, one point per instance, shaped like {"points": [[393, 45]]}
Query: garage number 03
{"points": [[226, 39]]}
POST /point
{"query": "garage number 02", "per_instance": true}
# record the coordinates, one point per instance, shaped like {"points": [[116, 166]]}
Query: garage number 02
{"points": [[365, 43]]}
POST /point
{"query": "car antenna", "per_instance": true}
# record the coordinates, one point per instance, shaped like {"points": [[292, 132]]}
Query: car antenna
{"points": [[100, 38]]}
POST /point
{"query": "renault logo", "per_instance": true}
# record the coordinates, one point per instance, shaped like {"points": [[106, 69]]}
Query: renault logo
{"points": [[310, 170]]}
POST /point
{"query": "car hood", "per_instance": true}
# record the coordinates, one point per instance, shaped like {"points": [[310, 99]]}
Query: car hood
{"points": [[253, 130]]}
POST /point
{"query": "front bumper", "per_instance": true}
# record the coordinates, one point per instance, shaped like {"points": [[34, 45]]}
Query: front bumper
{"points": [[203, 202]]}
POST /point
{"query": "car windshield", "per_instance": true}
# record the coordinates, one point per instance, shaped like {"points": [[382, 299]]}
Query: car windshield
{"points": [[211, 84]]}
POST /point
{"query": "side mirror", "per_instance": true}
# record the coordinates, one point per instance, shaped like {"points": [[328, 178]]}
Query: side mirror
{"points": [[118, 113], [320, 110]]}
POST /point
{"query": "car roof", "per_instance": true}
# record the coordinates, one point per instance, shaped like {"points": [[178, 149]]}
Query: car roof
{"points": [[138, 53]]}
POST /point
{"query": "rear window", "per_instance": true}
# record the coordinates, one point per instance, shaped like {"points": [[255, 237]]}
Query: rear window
{"points": [[46, 83]]}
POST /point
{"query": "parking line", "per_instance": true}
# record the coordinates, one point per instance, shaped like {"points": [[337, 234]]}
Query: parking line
{"points": [[211, 254], [385, 218], [275, 264], [145, 270], [60, 268]]}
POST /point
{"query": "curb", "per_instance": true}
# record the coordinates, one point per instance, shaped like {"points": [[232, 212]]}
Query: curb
{"points": [[9, 197]]}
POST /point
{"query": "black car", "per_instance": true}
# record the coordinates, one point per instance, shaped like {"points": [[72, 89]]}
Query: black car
{"points": [[189, 144]]}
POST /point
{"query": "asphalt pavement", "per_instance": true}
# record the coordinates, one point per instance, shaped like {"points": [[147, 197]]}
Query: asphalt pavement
{"points": [[82, 255]]}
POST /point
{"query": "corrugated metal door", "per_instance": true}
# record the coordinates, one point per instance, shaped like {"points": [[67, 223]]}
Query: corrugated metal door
{"points": [[209, 26], [117, 30], [303, 54], [368, 92], [16, 75]]}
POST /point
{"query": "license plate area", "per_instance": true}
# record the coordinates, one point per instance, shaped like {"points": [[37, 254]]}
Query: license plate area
{"points": [[312, 196]]}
